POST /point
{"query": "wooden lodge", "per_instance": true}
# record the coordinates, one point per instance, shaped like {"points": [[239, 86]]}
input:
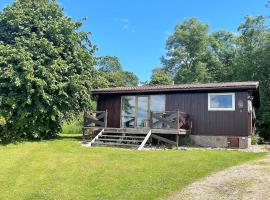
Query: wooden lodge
{"points": [[208, 115]]}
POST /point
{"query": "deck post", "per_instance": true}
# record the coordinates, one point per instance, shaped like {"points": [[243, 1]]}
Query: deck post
{"points": [[178, 117], [105, 118], [177, 140], [83, 129], [150, 119]]}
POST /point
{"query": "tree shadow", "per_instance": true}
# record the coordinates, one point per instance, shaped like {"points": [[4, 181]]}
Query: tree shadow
{"points": [[65, 137], [77, 137]]}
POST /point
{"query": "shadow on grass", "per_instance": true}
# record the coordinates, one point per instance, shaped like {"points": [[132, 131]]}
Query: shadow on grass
{"points": [[69, 136], [77, 137]]}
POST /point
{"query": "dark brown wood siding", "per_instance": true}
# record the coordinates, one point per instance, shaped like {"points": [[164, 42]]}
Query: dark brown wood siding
{"points": [[234, 123], [111, 103]]}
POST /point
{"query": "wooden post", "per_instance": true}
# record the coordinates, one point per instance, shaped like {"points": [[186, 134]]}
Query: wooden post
{"points": [[105, 118], [83, 129], [83, 133], [84, 116], [150, 120], [177, 140], [178, 117]]}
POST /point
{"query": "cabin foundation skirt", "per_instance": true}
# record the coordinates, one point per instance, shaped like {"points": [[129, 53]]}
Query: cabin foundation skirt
{"points": [[221, 141]]}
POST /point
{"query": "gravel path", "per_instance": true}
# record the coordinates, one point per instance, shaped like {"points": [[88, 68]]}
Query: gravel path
{"points": [[248, 181]]}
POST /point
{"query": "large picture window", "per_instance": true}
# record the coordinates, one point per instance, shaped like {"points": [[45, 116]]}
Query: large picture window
{"points": [[135, 110], [221, 101]]}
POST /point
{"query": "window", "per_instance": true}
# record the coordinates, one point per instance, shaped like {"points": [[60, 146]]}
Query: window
{"points": [[142, 111], [128, 111], [135, 110], [157, 103], [221, 101]]}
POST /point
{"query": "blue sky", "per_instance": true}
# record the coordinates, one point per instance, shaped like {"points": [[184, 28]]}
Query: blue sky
{"points": [[136, 31]]}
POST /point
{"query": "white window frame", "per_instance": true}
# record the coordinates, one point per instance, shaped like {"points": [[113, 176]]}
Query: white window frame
{"points": [[221, 109]]}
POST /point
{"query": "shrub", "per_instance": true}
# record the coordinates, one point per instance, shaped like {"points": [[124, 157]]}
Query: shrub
{"points": [[255, 139], [186, 141]]}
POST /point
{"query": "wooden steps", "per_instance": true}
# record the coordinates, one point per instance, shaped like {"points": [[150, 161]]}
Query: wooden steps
{"points": [[126, 136], [132, 138], [120, 138], [113, 144]]}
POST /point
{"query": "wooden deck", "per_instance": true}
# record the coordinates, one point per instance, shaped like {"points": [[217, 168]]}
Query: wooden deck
{"points": [[161, 124], [145, 130]]}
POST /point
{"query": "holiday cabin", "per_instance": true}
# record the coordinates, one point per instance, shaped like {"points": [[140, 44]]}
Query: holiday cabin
{"points": [[219, 115]]}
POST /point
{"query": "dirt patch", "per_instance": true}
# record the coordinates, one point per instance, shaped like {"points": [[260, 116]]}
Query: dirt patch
{"points": [[248, 181]]}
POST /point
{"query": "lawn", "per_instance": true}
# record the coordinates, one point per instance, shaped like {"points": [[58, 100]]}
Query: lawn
{"points": [[62, 169]]}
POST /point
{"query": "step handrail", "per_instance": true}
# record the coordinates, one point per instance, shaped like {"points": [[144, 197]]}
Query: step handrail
{"points": [[99, 134], [145, 140]]}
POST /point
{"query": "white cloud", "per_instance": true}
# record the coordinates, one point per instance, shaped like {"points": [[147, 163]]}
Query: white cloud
{"points": [[121, 20], [167, 33], [125, 26], [124, 20]]}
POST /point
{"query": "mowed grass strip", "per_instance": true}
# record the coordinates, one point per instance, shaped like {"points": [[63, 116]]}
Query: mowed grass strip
{"points": [[63, 169]]}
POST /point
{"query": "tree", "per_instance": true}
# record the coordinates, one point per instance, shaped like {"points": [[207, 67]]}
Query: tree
{"points": [[253, 64], [160, 79], [111, 73], [186, 48], [46, 69], [109, 64], [264, 74], [129, 78], [221, 56], [251, 40]]}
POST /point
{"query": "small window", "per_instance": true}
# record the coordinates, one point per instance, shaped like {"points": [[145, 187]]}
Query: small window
{"points": [[221, 101]]}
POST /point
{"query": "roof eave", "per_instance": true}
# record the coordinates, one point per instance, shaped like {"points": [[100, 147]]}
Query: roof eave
{"points": [[253, 87]]}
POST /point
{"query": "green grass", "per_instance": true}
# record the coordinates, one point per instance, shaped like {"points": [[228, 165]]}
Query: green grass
{"points": [[63, 169], [73, 127]]}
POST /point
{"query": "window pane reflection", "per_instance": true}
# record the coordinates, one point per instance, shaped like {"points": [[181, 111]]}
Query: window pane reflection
{"points": [[128, 111], [142, 120], [157, 103], [221, 101]]}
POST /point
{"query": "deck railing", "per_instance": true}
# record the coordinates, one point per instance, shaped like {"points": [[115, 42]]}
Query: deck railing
{"points": [[97, 119], [158, 120], [170, 120]]}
